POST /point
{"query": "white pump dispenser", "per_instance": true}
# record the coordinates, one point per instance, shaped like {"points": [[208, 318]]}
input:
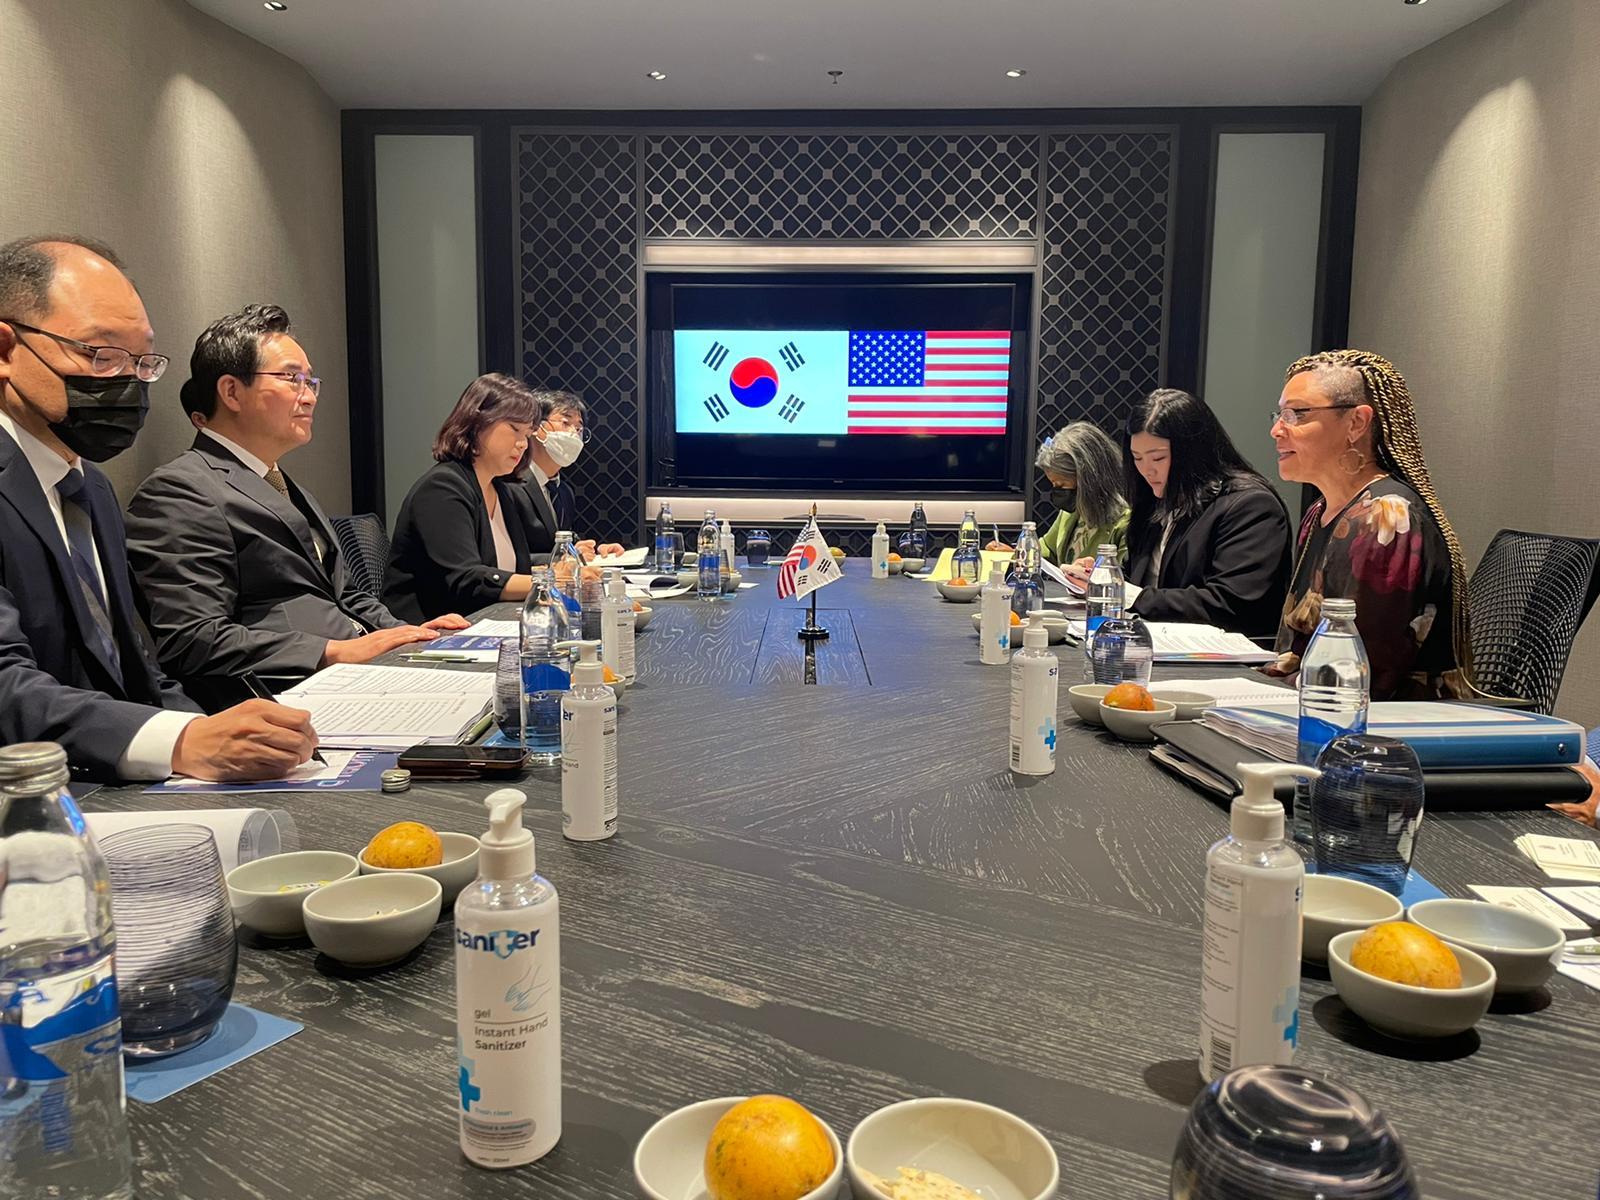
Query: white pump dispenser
{"points": [[880, 552], [994, 619], [588, 750], [1250, 988], [508, 998], [1035, 677]]}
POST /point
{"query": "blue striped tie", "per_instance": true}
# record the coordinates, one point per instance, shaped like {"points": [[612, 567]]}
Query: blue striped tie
{"points": [[80, 549]]}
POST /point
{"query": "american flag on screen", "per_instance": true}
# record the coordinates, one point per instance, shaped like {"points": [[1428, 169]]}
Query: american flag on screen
{"points": [[935, 381]]}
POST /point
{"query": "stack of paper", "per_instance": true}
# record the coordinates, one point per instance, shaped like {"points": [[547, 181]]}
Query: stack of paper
{"points": [[628, 558], [1182, 642], [365, 707], [1563, 858], [1235, 690]]}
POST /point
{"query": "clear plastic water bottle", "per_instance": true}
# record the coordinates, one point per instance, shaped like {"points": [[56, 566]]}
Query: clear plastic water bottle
{"points": [[1335, 690], [918, 540], [708, 560], [1026, 576], [665, 563], [1105, 596], [1122, 650], [546, 670], [566, 567], [63, 1125], [968, 561], [1366, 810]]}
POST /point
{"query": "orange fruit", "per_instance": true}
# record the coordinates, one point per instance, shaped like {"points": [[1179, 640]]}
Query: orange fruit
{"points": [[405, 844], [1405, 953], [637, 607], [610, 675], [1130, 696], [1016, 620], [893, 557], [767, 1148]]}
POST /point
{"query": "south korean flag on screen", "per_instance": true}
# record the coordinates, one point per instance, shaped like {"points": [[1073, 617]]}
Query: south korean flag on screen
{"points": [[763, 382]]}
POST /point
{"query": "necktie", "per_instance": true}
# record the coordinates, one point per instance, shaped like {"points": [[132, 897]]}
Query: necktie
{"points": [[80, 550], [552, 488], [281, 486]]}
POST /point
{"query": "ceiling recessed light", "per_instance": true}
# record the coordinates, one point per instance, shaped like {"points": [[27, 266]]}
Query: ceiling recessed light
{"points": [[1015, 73], [275, 6], [1416, 1], [656, 75]]}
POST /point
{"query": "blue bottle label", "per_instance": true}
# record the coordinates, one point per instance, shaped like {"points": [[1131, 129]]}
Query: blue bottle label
{"points": [[545, 677]]}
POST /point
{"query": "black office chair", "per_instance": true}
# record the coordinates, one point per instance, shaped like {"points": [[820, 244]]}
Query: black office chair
{"points": [[1528, 598], [364, 542]]}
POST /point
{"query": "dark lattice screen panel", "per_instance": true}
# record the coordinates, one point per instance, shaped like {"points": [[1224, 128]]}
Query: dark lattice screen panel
{"points": [[578, 258], [788, 186], [1107, 213]]}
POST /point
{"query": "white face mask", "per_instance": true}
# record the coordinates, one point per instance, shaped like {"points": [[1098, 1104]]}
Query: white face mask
{"points": [[563, 446]]}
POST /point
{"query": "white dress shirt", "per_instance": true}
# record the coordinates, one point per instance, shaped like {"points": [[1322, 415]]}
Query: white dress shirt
{"points": [[239, 452], [149, 754], [505, 552]]}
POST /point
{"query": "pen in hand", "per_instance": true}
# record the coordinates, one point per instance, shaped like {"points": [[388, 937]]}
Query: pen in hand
{"points": [[259, 691]]}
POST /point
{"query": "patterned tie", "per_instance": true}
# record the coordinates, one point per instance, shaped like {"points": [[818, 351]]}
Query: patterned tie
{"points": [[80, 550], [552, 488], [281, 486]]}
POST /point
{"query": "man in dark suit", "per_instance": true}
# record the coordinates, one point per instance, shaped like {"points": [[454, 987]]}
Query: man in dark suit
{"points": [[556, 444], [76, 362], [239, 565]]}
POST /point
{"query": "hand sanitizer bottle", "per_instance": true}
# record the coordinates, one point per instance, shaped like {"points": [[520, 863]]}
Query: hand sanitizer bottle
{"points": [[588, 751], [1250, 988], [508, 998], [994, 619], [1035, 674], [880, 552], [616, 627]]}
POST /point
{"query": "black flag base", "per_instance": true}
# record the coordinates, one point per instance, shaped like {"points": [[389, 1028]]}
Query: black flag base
{"points": [[811, 631]]}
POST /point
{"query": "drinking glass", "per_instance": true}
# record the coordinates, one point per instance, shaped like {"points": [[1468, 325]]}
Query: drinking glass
{"points": [[1277, 1133], [1366, 810], [508, 689], [757, 547], [176, 951], [1122, 651]]}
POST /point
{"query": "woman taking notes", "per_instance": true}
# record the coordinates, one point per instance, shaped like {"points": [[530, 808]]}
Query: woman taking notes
{"points": [[467, 533], [1208, 538], [1085, 474], [1377, 533]]}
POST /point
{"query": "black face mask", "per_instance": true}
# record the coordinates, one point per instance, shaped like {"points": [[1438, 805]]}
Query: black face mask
{"points": [[104, 414], [1065, 499]]}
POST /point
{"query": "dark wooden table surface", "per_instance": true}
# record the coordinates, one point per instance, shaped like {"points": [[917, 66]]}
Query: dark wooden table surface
{"points": [[838, 892]]}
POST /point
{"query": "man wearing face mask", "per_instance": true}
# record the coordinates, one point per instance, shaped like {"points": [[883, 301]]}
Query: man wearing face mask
{"points": [[239, 565], [76, 362], [557, 443], [1084, 469]]}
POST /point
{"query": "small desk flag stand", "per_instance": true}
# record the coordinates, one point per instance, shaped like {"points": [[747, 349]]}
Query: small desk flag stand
{"points": [[811, 632]]}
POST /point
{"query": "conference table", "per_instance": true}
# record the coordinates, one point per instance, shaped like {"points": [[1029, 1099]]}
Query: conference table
{"points": [[837, 891]]}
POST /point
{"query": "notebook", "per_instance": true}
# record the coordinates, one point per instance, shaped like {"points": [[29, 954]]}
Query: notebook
{"points": [[366, 707]]}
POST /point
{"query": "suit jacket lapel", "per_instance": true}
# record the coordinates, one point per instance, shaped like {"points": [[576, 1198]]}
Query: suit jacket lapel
{"points": [[246, 482], [21, 487], [541, 501]]}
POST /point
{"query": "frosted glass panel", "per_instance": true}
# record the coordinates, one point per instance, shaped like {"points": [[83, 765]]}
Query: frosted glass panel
{"points": [[427, 222], [1267, 222]]}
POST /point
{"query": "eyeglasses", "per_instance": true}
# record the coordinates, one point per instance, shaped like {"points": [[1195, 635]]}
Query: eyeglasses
{"points": [[105, 360], [1291, 417], [302, 382], [563, 424]]}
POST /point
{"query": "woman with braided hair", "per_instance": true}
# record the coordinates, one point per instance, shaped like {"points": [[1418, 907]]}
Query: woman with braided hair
{"points": [[1377, 534]]}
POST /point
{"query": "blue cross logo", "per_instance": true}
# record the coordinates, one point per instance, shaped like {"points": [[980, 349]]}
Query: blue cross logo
{"points": [[1048, 732], [1005, 639], [1288, 1014], [470, 1092]]}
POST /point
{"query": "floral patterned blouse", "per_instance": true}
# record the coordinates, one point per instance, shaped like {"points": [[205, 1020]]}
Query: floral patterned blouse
{"points": [[1385, 552]]}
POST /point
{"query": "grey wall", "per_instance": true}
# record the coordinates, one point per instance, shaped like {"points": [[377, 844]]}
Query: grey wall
{"points": [[209, 162], [1477, 270]]}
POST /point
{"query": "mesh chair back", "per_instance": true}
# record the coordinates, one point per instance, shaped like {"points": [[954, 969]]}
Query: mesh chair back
{"points": [[365, 545], [1529, 595]]}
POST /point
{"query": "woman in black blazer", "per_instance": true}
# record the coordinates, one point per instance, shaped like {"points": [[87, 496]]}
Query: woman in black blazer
{"points": [[467, 533], [1208, 539]]}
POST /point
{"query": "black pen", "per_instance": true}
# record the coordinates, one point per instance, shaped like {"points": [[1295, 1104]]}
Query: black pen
{"points": [[258, 690]]}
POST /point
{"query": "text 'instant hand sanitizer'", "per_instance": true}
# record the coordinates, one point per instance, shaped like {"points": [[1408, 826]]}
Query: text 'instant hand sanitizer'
{"points": [[508, 998]]}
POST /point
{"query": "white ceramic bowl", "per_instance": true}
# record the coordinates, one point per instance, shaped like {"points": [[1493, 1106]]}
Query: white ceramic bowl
{"points": [[1523, 949], [1412, 1012], [958, 590], [669, 1163], [896, 565], [911, 566], [641, 617], [983, 1148], [459, 868], [1055, 627], [1189, 704], [1085, 700], [690, 558], [688, 576], [373, 920], [1131, 725], [1332, 905], [266, 894], [730, 582]]}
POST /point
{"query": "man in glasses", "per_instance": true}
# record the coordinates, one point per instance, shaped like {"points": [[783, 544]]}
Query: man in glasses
{"points": [[76, 360], [238, 562], [557, 443]]}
